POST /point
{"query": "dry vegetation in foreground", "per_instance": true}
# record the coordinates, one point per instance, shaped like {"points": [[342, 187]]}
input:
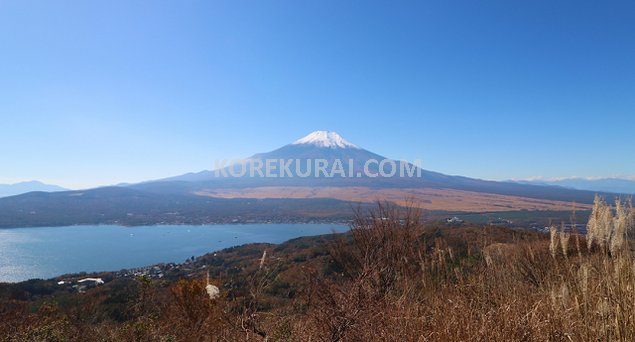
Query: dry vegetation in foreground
{"points": [[390, 279]]}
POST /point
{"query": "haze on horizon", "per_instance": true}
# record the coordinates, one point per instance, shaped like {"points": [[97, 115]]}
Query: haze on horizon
{"points": [[96, 93]]}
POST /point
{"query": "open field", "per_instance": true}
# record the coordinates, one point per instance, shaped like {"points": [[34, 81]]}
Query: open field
{"points": [[424, 198]]}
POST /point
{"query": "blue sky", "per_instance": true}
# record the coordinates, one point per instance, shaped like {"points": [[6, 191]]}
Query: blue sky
{"points": [[102, 92]]}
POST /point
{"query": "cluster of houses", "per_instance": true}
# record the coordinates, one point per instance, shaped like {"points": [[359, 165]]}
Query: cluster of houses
{"points": [[81, 285], [571, 228], [453, 220]]}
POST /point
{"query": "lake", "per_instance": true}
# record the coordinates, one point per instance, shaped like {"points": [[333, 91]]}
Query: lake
{"points": [[46, 252]]}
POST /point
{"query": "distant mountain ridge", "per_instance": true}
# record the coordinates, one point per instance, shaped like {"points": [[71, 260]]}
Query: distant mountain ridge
{"points": [[129, 207], [24, 187], [614, 185]]}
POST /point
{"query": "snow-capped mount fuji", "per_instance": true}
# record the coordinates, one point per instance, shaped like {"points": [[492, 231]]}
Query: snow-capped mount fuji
{"points": [[330, 146], [319, 145], [325, 139], [324, 145]]}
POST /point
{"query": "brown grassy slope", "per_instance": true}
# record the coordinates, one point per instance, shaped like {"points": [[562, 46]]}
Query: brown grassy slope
{"points": [[430, 199]]}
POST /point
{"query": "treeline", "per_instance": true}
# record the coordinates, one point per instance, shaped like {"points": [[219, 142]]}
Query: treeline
{"points": [[130, 207]]}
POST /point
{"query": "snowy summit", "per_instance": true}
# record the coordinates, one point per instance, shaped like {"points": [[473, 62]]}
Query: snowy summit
{"points": [[325, 139]]}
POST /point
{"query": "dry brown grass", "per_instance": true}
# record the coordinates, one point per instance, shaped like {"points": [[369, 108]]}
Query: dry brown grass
{"points": [[393, 279], [430, 199], [524, 291]]}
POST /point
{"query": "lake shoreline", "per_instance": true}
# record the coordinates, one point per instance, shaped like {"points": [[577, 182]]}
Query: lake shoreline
{"points": [[264, 222], [47, 252]]}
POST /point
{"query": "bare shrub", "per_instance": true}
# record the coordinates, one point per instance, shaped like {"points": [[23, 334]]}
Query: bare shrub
{"points": [[195, 312], [383, 246]]}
